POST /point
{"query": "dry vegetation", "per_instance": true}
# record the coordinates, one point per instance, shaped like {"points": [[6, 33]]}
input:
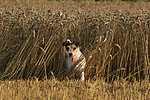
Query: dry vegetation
{"points": [[114, 38], [73, 90]]}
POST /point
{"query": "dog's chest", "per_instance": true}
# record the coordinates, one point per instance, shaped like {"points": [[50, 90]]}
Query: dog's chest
{"points": [[69, 63], [76, 61]]}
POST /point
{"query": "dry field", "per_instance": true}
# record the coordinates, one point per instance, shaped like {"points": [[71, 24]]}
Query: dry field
{"points": [[74, 90], [114, 37]]}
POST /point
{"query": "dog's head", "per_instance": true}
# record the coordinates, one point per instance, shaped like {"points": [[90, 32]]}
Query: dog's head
{"points": [[72, 48]]}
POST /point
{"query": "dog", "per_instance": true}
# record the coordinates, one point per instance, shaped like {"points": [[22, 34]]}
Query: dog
{"points": [[75, 61]]}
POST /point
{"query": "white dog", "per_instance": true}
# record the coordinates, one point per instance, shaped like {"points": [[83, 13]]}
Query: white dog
{"points": [[75, 58]]}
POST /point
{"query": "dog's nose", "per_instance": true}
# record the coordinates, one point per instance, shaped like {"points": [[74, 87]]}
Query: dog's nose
{"points": [[70, 54]]}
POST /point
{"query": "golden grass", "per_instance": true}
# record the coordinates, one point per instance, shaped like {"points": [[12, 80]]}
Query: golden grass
{"points": [[73, 90], [114, 38]]}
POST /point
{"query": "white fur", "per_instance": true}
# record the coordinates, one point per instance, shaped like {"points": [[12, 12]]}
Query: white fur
{"points": [[69, 40]]}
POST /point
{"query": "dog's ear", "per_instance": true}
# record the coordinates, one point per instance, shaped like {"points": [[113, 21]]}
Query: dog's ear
{"points": [[76, 43], [64, 43]]}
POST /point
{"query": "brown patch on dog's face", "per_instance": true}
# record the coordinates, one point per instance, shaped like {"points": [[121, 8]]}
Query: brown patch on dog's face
{"points": [[72, 48], [67, 43]]}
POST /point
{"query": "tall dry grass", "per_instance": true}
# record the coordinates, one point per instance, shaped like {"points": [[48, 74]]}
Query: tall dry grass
{"points": [[114, 38]]}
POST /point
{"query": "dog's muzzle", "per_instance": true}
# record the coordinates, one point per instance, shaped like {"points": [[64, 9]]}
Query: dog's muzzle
{"points": [[70, 54], [71, 57]]}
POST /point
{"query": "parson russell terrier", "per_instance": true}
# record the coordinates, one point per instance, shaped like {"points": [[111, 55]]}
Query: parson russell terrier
{"points": [[75, 62]]}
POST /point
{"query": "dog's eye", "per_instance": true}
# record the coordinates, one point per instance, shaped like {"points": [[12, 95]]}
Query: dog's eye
{"points": [[74, 48], [67, 48]]}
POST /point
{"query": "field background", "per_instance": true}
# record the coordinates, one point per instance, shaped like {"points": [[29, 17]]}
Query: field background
{"points": [[114, 37]]}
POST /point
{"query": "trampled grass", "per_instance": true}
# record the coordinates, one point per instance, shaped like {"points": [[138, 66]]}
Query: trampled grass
{"points": [[114, 38], [74, 90]]}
